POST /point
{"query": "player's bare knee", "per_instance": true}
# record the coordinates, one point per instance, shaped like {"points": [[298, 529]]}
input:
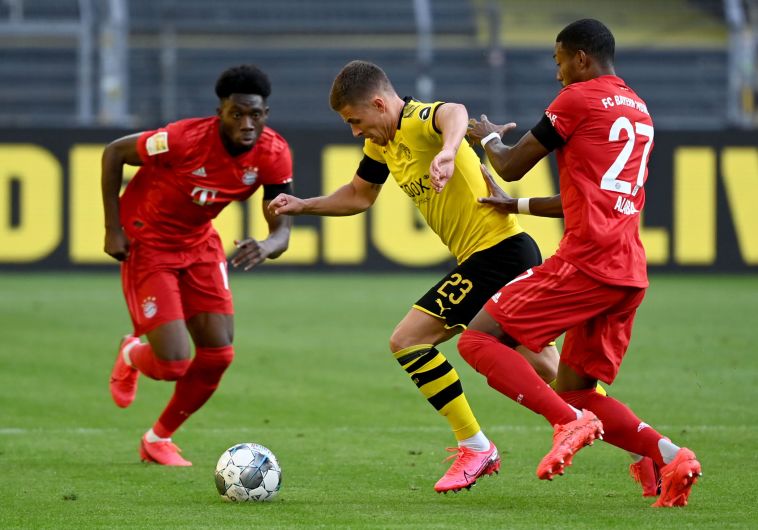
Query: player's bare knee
{"points": [[399, 340], [545, 363], [177, 351], [405, 337], [550, 358], [546, 370], [170, 342], [211, 330]]}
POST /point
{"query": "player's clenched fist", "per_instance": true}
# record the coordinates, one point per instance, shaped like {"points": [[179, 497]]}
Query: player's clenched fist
{"points": [[286, 204], [116, 244]]}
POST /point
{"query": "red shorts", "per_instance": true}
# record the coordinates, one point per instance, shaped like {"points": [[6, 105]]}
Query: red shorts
{"points": [[556, 297], [161, 286]]}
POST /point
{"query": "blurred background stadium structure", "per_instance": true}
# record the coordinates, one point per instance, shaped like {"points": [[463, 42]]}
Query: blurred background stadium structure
{"points": [[77, 74], [141, 63]]}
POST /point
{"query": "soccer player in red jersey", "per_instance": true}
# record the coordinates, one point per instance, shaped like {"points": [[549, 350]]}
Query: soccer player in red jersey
{"points": [[173, 266], [591, 288]]}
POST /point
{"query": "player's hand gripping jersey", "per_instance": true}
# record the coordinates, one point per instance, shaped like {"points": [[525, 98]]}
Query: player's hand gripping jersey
{"points": [[608, 135], [188, 177]]}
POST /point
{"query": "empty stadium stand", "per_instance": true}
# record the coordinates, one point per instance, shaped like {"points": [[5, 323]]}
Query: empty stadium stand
{"points": [[177, 49]]}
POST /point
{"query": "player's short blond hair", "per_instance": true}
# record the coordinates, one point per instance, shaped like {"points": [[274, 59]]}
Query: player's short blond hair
{"points": [[356, 82]]}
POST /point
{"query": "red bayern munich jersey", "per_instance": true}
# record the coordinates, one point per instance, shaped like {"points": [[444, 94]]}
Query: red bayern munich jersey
{"points": [[188, 177], [608, 135]]}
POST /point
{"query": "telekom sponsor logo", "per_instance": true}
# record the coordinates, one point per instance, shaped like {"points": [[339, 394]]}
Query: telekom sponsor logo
{"points": [[203, 196]]}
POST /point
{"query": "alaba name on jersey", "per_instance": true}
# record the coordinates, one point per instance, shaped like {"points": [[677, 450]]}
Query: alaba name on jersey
{"points": [[608, 135], [464, 225], [188, 177]]}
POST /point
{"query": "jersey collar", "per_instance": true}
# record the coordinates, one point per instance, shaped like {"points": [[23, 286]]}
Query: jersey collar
{"points": [[406, 99]]}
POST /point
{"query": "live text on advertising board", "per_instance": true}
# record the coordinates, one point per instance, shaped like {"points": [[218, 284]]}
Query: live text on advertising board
{"points": [[700, 213]]}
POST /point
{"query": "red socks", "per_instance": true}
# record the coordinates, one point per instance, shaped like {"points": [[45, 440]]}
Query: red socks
{"points": [[194, 388], [510, 374], [143, 359], [196, 380], [622, 427]]}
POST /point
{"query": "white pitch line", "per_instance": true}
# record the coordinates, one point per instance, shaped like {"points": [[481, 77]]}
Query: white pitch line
{"points": [[90, 431]]}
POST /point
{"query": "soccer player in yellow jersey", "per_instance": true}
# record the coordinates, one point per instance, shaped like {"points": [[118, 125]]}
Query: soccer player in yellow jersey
{"points": [[422, 144]]}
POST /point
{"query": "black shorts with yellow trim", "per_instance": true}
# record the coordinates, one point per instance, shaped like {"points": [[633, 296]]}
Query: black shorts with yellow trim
{"points": [[459, 296]]}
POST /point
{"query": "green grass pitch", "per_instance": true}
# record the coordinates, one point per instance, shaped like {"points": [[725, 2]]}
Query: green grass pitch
{"points": [[313, 380]]}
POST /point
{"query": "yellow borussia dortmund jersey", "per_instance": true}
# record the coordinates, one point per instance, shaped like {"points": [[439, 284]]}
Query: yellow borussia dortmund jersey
{"points": [[462, 223]]}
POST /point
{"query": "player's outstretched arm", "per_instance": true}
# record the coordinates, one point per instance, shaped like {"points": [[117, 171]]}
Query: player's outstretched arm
{"points": [[354, 197], [510, 162], [452, 120], [539, 206], [251, 252], [116, 154]]}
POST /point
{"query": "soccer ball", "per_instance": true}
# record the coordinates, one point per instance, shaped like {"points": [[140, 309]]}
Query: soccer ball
{"points": [[248, 472]]}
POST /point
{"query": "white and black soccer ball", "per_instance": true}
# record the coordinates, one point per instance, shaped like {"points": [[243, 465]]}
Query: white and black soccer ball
{"points": [[248, 472]]}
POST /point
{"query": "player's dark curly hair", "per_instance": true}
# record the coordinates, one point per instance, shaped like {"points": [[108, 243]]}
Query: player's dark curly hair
{"points": [[355, 84], [243, 79], [592, 37]]}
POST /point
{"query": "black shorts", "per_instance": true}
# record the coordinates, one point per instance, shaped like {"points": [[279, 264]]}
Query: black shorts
{"points": [[459, 296]]}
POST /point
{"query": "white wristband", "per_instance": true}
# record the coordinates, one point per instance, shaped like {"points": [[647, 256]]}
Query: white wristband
{"points": [[523, 206], [491, 136]]}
